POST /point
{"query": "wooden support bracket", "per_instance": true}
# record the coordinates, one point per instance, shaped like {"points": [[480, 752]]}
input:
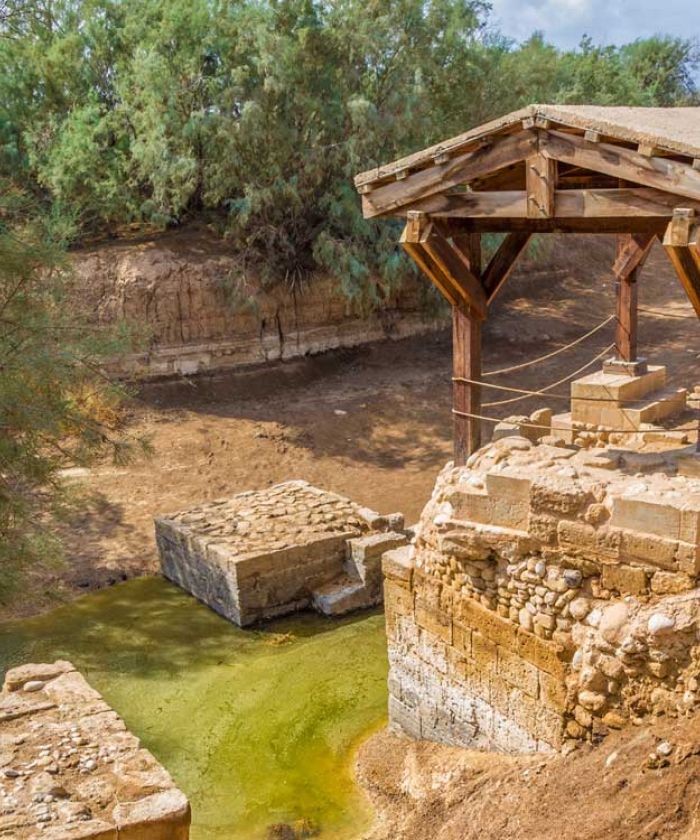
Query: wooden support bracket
{"points": [[682, 244]]}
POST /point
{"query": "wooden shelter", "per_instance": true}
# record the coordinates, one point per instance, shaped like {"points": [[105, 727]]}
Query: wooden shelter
{"points": [[634, 172]]}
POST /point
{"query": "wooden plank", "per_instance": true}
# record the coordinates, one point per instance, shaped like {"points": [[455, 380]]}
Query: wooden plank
{"points": [[466, 398], [633, 251], [503, 262], [458, 170], [632, 202], [657, 172], [541, 178]]}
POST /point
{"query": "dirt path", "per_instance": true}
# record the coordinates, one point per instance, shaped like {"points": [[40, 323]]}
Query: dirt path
{"points": [[373, 423]]}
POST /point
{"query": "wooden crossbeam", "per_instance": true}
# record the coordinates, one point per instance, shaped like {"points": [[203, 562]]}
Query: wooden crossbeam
{"points": [[682, 244], [568, 204], [387, 198], [651, 171], [503, 262], [632, 253]]}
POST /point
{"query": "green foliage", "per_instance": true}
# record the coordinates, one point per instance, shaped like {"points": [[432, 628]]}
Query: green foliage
{"points": [[257, 113], [56, 408]]}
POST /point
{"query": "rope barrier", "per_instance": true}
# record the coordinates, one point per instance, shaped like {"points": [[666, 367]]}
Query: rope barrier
{"points": [[554, 384], [553, 353]]}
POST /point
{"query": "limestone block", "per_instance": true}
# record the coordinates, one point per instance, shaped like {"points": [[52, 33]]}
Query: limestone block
{"points": [[616, 387], [688, 557], [668, 583], [545, 655], [160, 816], [404, 719], [462, 638], [398, 564], [645, 549], [490, 625], [516, 671], [646, 515], [625, 579], [435, 622], [552, 692], [484, 654]]}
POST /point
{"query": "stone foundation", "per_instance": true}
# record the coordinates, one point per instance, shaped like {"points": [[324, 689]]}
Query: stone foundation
{"points": [[550, 593], [270, 552], [71, 770]]}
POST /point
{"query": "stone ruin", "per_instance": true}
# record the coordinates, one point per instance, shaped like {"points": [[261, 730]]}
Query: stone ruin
{"points": [[550, 593], [70, 770], [615, 406], [266, 553]]}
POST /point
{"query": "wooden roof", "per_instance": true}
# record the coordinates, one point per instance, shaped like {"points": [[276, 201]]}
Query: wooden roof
{"points": [[583, 168], [675, 130]]}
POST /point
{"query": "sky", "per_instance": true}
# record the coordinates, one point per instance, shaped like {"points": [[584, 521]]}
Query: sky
{"points": [[606, 21]]}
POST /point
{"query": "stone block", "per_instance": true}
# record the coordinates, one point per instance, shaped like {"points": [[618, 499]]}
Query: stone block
{"points": [[618, 387], [647, 549], [688, 558], [646, 516], [545, 655], [404, 719], [132, 798], [552, 692], [437, 623], [397, 565], [265, 553], [484, 654], [670, 583], [500, 631], [462, 638], [518, 672], [624, 579]]}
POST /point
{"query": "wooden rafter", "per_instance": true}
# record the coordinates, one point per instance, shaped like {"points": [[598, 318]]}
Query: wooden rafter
{"points": [[388, 198]]}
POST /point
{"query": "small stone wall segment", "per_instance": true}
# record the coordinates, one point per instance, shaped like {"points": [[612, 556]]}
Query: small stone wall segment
{"points": [[550, 592], [271, 552], [72, 771]]}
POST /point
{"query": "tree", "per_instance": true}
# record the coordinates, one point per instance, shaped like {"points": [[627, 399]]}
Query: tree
{"points": [[57, 409]]}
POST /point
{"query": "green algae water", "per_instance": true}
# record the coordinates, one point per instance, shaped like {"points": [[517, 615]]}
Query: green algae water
{"points": [[257, 727]]}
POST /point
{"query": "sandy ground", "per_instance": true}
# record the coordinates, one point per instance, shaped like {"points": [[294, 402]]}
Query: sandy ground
{"points": [[372, 423], [621, 789]]}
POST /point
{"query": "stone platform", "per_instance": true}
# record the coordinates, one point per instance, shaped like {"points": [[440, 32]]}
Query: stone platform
{"points": [[550, 594], [70, 770], [271, 552]]}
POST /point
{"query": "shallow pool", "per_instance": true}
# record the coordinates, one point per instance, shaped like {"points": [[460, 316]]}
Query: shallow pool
{"points": [[256, 726]]}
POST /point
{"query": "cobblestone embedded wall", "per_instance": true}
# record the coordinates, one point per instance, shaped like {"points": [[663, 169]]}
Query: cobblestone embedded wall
{"points": [[72, 771], [549, 594]]}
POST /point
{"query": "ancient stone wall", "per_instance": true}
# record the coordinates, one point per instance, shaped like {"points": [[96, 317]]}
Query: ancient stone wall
{"points": [[183, 291], [549, 594], [70, 770]]}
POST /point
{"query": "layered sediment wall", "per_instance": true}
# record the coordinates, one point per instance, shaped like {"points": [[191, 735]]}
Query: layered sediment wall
{"points": [[186, 293], [550, 594]]}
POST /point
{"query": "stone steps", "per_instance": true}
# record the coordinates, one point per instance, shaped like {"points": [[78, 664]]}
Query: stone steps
{"points": [[343, 596]]}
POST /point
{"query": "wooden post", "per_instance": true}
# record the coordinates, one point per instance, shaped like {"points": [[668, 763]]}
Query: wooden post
{"points": [[466, 398], [626, 329]]}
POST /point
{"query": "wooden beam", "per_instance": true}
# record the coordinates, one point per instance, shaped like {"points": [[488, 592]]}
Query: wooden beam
{"points": [[444, 265], [503, 262], [387, 198], [656, 172], [541, 179], [682, 244], [466, 398], [457, 270], [621, 224], [627, 301], [568, 204], [632, 253]]}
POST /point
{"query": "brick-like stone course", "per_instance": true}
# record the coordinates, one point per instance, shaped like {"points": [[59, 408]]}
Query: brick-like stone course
{"points": [[270, 552], [70, 769], [518, 559]]}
